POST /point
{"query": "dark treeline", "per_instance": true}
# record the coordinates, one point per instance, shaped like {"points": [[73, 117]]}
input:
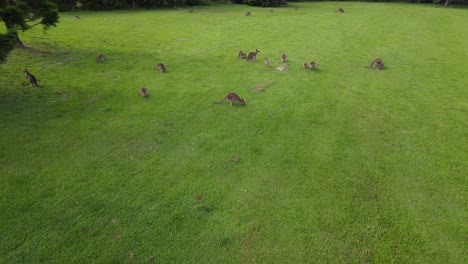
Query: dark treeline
{"points": [[69, 5], [73, 5]]}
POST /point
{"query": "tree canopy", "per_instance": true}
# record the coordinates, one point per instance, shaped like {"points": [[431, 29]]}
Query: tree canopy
{"points": [[25, 14]]}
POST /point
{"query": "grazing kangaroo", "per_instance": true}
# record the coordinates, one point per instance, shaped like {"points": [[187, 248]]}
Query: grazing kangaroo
{"points": [[313, 65], [233, 98], [161, 67], [31, 78], [377, 63], [143, 92], [76, 17], [267, 63], [282, 68], [283, 57], [248, 14], [305, 65], [101, 58], [252, 55], [241, 54], [340, 10]]}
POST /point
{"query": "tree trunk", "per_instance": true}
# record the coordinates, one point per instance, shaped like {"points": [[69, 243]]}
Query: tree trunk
{"points": [[19, 43], [446, 3]]}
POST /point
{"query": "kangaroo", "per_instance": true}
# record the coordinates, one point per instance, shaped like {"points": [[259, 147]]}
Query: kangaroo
{"points": [[296, 8], [313, 65], [267, 63], [76, 17], [282, 68], [101, 58], [241, 54], [31, 78], [233, 98], [161, 67], [143, 92], [340, 10], [252, 55], [191, 11], [377, 63], [248, 14], [305, 65], [283, 57]]}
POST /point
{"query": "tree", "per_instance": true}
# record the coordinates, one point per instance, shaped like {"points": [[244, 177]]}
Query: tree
{"points": [[25, 14], [7, 43]]}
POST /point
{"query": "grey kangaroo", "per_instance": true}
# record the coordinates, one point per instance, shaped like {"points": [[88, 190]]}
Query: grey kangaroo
{"points": [[161, 67], [283, 57], [101, 58], [313, 65], [241, 54], [31, 78], [340, 10], [252, 55], [233, 98], [377, 63], [143, 92]]}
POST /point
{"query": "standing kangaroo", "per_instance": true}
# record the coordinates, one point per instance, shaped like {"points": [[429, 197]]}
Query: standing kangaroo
{"points": [[31, 78], [101, 58], [161, 67], [313, 65], [340, 10], [283, 57], [252, 55], [267, 63], [143, 92], [233, 98], [241, 54]]}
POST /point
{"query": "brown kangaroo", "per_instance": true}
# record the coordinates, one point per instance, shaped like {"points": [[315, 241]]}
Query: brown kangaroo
{"points": [[143, 92], [283, 57], [233, 98], [101, 58], [340, 10], [252, 55], [241, 54], [313, 65], [377, 63], [31, 78], [305, 65], [267, 63], [248, 14], [161, 67]]}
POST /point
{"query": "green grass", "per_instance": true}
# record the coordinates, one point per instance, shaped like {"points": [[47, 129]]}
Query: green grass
{"points": [[341, 165]]}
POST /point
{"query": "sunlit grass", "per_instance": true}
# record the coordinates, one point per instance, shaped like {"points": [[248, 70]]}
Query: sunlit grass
{"points": [[344, 164]]}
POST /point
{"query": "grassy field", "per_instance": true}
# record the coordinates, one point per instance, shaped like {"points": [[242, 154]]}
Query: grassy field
{"points": [[341, 165]]}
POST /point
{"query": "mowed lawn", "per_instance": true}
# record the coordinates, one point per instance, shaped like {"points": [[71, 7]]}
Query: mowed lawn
{"points": [[345, 164]]}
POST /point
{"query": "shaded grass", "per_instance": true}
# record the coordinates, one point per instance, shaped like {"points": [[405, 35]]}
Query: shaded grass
{"points": [[345, 164]]}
